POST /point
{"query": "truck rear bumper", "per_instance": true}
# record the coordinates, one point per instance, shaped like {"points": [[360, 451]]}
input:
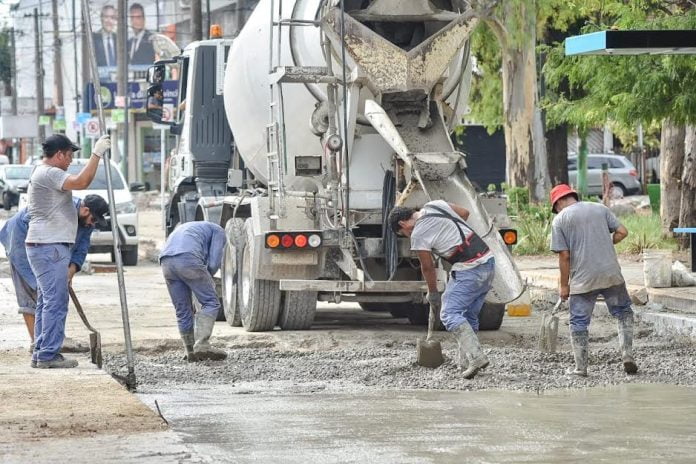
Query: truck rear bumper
{"points": [[352, 286]]}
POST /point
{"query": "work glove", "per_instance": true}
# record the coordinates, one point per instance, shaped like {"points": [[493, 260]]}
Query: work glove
{"points": [[434, 298], [103, 144]]}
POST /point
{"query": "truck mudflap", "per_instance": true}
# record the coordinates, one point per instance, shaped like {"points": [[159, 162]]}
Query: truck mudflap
{"points": [[353, 286]]}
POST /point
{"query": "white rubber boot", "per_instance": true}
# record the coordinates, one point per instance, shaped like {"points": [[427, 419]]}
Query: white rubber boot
{"points": [[579, 341], [202, 349], [470, 349], [625, 328]]}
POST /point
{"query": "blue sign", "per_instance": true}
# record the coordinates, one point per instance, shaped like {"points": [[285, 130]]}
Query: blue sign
{"points": [[82, 118], [137, 95]]}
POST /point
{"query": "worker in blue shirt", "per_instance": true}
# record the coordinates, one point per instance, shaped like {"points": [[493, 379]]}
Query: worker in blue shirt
{"points": [[189, 259], [89, 211]]}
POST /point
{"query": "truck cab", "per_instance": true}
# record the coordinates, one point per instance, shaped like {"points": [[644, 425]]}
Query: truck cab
{"points": [[198, 169]]}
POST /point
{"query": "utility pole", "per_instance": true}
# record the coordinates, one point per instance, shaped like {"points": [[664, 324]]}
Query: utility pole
{"points": [[122, 78], [39, 73], [13, 46], [75, 70], [196, 20], [57, 59]]}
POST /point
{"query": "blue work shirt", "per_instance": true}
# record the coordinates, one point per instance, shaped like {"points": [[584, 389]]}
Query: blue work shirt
{"points": [[14, 234], [202, 239]]}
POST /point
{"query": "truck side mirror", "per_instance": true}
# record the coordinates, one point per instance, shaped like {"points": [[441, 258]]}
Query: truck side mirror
{"points": [[155, 74], [137, 187]]}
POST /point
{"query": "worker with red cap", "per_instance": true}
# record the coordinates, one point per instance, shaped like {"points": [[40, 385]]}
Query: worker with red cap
{"points": [[584, 234]]}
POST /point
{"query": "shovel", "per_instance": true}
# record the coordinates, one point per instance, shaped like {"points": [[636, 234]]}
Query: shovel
{"points": [[548, 331], [429, 350], [95, 350]]}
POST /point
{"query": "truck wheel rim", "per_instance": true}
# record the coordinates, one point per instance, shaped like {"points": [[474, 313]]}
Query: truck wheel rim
{"points": [[229, 277], [246, 276]]}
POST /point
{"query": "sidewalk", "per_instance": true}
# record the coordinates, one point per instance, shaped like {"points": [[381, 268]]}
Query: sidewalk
{"points": [[672, 310]]}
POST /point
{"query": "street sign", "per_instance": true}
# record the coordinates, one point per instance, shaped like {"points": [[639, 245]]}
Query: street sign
{"points": [[118, 116], [92, 127], [44, 120], [82, 118], [59, 125]]}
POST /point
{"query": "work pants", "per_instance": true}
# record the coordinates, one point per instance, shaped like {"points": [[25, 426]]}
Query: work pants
{"points": [[186, 274], [582, 304], [50, 262], [465, 294]]}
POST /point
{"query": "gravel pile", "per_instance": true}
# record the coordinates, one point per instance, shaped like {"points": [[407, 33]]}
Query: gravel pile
{"points": [[392, 366]]}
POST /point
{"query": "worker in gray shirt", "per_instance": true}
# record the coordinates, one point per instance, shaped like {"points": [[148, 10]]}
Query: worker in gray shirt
{"points": [[189, 259], [439, 228], [584, 234], [51, 234]]}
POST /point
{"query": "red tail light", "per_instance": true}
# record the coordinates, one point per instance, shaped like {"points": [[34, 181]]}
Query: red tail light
{"points": [[300, 241], [287, 241], [633, 173]]}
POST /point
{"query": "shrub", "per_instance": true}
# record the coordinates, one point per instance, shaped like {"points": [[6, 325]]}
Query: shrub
{"points": [[644, 232]]}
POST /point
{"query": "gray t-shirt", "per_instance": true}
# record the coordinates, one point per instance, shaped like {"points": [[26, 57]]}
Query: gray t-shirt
{"points": [[585, 230], [53, 215], [440, 235]]}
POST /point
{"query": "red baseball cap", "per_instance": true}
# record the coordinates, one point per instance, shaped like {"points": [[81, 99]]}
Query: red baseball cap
{"points": [[560, 191]]}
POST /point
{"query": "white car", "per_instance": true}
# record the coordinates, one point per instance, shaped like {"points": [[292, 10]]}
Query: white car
{"points": [[102, 240]]}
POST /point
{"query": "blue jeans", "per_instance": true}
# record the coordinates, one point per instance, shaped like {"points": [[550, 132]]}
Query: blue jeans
{"points": [[50, 262], [186, 274], [465, 294], [581, 305]]}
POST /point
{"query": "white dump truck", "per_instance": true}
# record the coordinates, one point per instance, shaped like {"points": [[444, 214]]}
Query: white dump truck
{"points": [[301, 134]]}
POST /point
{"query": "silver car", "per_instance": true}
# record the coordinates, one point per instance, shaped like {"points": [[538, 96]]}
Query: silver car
{"points": [[622, 174]]}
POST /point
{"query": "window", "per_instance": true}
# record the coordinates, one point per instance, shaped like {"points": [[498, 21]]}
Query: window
{"points": [[572, 164], [616, 163], [19, 172], [99, 182], [595, 162]]}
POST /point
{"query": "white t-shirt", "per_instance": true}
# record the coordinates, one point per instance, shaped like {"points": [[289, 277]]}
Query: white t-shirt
{"points": [[53, 215], [441, 235]]}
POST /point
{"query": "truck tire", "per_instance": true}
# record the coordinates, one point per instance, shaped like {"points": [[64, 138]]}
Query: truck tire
{"points": [[6, 201], [297, 311], [234, 230], [129, 255], [491, 316], [259, 300]]}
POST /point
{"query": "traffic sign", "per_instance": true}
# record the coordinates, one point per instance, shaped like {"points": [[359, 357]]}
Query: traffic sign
{"points": [[92, 127]]}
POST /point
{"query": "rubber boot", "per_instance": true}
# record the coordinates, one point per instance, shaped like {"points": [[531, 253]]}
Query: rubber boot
{"points": [[579, 341], [625, 328], [188, 340], [469, 344], [203, 330]]}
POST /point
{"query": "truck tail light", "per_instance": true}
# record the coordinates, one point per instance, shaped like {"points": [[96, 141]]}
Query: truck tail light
{"points": [[293, 240], [272, 241], [300, 240], [314, 240], [287, 241], [633, 173], [509, 236]]}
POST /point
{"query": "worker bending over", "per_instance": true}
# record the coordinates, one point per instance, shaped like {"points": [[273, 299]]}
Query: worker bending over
{"points": [[584, 234], [189, 259], [439, 228], [90, 211], [52, 230]]}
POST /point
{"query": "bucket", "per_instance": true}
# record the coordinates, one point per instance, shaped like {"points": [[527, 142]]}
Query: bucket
{"points": [[657, 268]]}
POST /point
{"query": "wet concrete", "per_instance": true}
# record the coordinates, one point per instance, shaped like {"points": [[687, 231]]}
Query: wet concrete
{"points": [[630, 423]]}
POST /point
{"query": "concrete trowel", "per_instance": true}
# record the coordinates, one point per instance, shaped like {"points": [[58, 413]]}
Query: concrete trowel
{"points": [[429, 350]]}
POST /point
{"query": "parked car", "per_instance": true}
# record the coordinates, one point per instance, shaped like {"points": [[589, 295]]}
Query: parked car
{"points": [[102, 240], [622, 174], [14, 179]]}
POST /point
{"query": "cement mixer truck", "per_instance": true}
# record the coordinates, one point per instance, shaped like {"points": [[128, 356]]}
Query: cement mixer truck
{"points": [[300, 135]]}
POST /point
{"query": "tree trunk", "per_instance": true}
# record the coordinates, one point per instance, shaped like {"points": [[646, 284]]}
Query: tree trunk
{"points": [[687, 214], [557, 151], [524, 136], [671, 164]]}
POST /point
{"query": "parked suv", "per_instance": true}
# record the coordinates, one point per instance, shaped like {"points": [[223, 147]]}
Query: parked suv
{"points": [[622, 174], [102, 240], [13, 181]]}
